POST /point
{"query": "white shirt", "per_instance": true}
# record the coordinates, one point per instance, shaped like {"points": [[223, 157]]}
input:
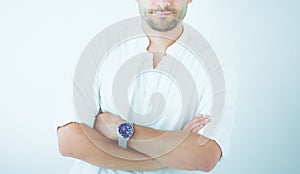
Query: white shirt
{"points": [[174, 114]]}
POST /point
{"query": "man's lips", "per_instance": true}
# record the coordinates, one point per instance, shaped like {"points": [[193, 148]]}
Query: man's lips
{"points": [[162, 14]]}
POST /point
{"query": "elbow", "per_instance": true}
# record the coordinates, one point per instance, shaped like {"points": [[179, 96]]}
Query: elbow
{"points": [[210, 158], [62, 143], [66, 139], [207, 165], [63, 149]]}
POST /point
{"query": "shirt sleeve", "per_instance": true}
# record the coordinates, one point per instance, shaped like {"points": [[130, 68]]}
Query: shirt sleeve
{"points": [[222, 134]]}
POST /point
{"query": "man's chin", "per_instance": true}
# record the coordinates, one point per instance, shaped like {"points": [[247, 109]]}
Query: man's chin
{"points": [[162, 27]]}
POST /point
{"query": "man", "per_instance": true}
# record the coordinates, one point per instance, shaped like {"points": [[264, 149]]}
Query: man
{"points": [[169, 144]]}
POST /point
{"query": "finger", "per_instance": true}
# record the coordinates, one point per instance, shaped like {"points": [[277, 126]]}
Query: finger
{"points": [[190, 125], [187, 127], [195, 122], [196, 119], [200, 119], [203, 121], [197, 125], [207, 120], [201, 116], [205, 116], [197, 128]]}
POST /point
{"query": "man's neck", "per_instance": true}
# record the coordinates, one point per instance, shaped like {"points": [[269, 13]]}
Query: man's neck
{"points": [[160, 41]]}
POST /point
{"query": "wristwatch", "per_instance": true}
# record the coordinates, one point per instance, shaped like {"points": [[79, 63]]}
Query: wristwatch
{"points": [[125, 130]]}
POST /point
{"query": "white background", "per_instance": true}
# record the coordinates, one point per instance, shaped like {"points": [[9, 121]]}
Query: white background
{"points": [[41, 41]]}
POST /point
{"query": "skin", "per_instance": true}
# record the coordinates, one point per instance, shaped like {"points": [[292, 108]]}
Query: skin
{"points": [[173, 149], [85, 143], [149, 149], [161, 16], [98, 145]]}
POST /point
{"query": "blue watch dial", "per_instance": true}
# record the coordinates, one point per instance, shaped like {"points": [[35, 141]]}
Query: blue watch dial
{"points": [[126, 130]]}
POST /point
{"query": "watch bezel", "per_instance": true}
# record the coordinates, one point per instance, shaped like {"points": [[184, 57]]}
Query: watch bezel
{"points": [[129, 132]]}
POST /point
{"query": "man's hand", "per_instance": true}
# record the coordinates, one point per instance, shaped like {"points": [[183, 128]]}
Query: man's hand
{"points": [[107, 124], [196, 123]]}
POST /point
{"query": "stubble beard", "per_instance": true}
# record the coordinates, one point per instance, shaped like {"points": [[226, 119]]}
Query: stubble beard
{"points": [[163, 24]]}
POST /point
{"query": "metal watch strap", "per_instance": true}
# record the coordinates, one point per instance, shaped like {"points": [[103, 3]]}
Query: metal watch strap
{"points": [[123, 142]]}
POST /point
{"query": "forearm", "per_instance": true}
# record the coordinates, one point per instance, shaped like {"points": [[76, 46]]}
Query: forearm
{"points": [[176, 149], [82, 142]]}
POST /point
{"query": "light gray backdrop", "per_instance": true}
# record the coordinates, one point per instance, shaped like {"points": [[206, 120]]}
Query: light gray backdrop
{"points": [[41, 41]]}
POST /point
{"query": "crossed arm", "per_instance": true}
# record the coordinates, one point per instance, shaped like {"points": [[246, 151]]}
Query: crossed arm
{"points": [[150, 149]]}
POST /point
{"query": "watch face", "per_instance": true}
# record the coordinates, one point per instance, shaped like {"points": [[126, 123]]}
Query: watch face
{"points": [[125, 130]]}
